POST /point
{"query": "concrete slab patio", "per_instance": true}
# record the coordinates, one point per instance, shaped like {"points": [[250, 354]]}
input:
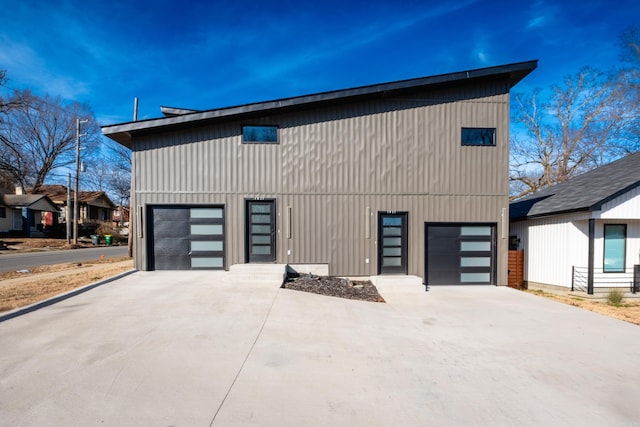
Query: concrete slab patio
{"points": [[201, 348]]}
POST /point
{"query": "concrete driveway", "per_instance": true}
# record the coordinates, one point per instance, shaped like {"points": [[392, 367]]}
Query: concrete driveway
{"points": [[197, 349]]}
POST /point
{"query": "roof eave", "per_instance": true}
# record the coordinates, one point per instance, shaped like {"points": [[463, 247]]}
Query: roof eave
{"points": [[548, 214], [592, 208], [122, 133], [598, 206]]}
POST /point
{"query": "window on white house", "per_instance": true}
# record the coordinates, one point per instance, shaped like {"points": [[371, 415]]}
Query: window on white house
{"points": [[615, 236]]}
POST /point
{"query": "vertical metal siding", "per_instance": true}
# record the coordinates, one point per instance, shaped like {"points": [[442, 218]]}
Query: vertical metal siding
{"points": [[554, 245], [331, 164], [626, 206]]}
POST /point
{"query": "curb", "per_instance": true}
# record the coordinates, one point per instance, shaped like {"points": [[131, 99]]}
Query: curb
{"points": [[58, 298]]}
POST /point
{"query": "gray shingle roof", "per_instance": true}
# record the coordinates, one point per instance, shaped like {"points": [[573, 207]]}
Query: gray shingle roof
{"points": [[32, 201], [586, 192]]}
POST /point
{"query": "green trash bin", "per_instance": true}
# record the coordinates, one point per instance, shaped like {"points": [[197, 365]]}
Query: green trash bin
{"points": [[95, 239], [107, 239]]}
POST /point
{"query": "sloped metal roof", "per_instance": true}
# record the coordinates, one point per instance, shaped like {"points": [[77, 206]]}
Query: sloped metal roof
{"points": [[513, 73], [586, 192]]}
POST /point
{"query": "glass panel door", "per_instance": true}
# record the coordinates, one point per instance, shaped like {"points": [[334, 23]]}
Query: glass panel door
{"points": [[260, 231], [392, 243]]}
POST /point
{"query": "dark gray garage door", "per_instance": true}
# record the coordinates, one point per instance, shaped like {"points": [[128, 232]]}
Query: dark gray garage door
{"points": [[186, 237], [460, 254]]}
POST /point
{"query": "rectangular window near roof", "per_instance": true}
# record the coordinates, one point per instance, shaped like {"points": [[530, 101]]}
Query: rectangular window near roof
{"points": [[260, 134], [3, 212], [615, 236], [479, 136]]}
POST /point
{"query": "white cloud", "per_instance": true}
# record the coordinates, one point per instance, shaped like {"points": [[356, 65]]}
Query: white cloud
{"points": [[482, 57], [27, 69], [537, 21]]}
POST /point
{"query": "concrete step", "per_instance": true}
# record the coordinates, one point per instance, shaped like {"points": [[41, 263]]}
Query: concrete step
{"points": [[399, 283], [258, 273]]}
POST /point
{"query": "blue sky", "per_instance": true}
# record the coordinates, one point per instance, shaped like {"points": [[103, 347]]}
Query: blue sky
{"points": [[210, 54]]}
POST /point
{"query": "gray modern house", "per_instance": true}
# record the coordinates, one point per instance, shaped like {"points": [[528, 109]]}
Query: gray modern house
{"points": [[407, 177]]}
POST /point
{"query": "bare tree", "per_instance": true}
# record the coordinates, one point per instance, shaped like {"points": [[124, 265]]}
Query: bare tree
{"points": [[629, 44], [120, 156], [38, 136], [97, 175], [582, 125], [6, 181], [120, 186], [109, 174], [119, 179]]}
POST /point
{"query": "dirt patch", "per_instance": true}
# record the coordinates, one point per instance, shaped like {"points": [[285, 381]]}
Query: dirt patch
{"points": [[21, 289], [33, 271], [334, 287], [628, 311], [22, 244]]}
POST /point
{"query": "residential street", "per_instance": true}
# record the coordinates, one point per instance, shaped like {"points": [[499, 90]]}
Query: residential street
{"points": [[10, 262]]}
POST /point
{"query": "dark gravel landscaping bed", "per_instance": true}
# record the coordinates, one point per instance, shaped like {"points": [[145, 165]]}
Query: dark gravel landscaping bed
{"points": [[333, 286]]}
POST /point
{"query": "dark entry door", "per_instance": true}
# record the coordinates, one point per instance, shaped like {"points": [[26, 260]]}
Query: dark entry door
{"points": [[392, 243], [260, 231], [186, 237]]}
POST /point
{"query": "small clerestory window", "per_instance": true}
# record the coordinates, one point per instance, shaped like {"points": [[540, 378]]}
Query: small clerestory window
{"points": [[259, 134], [479, 136]]}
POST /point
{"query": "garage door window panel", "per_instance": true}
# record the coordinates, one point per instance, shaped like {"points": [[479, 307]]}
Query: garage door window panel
{"points": [[206, 213], [475, 261], [206, 246], [475, 231], [475, 278], [206, 230], [207, 262], [467, 246]]}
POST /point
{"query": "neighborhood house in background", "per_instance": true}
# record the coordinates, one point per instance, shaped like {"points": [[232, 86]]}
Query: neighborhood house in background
{"points": [[45, 213], [407, 177], [23, 214], [582, 234]]}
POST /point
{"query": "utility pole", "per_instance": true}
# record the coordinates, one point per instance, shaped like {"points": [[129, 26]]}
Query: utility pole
{"points": [[76, 206], [68, 213]]}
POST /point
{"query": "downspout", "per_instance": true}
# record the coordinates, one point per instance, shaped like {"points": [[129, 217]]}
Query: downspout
{"points": [[592, 233]]}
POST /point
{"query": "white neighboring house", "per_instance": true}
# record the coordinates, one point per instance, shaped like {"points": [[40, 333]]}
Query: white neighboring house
{"points": [[582, 234], [21, 214]]}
